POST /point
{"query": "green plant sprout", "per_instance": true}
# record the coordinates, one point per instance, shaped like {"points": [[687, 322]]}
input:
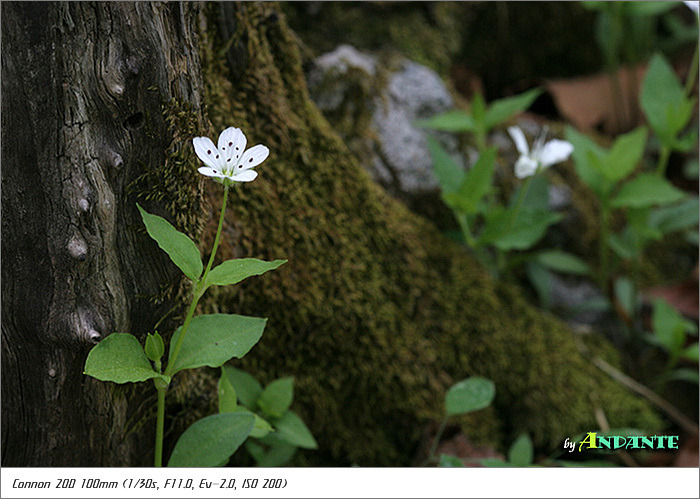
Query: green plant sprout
{"points": [[469, 395], [203, 340]]}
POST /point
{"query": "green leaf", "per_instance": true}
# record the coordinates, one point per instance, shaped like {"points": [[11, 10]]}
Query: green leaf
{"points": [[586, 152], [211, 440], [502, 110], [213, 339], [478, 109], [447, 461], [541, 280], [278, 454], [676, 217], [663, 101], [261, 428], [277, 396], [650, 8], [494, 462], [476, 184], [450, 121], [521, 453], [690, 353], [560, 261], [292, 430], [684, 374], [449, 174], [528, 228], [623, 245], [155, 348], [469, 395], [120, 358], [180, 248], [646, 190], [247, 387], [234, 271], [227, 394], [624, 291], [669, 327], [625, 154]]}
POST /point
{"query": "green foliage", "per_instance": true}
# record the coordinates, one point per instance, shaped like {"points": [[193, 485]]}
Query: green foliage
{"points": [[646, 190], [247, 387], [476, 184], [449, 174], [214, 339], [447, 461], [212, 440], [227, 393], [121, 359], [180, 248], [277, 397], [508, 229], [666, 106], [469, 395], [521, 452], [670, 332], [155, 348], [234, 271], [563, 262], [292, 430]]}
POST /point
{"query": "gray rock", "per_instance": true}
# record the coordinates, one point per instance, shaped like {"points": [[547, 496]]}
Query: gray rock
{"points": [[375, 108]]}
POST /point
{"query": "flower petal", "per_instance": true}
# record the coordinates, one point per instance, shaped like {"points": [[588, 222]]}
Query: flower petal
{"points": [[210, 172], [555, 151], [525, 167], [519, 138], [245, 176], [254, 156], [231, 144], [207, 151]]}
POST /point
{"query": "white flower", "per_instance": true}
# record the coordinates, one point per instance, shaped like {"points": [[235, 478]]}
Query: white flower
{"points": [[228, 162], [693, 6], [542, 155]]}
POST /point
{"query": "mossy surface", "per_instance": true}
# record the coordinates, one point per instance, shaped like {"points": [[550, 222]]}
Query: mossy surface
{"points": [[376, 313]]}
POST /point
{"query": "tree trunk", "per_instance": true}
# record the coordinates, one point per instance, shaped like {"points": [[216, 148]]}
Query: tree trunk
{"points": [[84, 137]]}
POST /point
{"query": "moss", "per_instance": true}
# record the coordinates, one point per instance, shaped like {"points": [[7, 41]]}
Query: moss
{"points": [[375, 314]]}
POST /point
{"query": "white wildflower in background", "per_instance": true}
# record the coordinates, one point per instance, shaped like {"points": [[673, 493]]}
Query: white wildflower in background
{"points": [[543, 155], [693, 6], [229, 162]]}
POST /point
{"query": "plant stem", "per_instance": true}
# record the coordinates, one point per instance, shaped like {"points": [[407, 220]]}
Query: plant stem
{"points": [[692, 73], [436, 442], [603, 246], [196, 295], [160, 423], [198, 289], [663, 161]]}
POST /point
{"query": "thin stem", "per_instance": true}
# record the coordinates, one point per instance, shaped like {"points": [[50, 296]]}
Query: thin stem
{"points": [[198, 290], [160, 423], [436, 442], [522, 194], [663, 161]]}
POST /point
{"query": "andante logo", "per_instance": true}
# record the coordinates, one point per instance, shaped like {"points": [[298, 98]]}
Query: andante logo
{"points": [[615, 442]]}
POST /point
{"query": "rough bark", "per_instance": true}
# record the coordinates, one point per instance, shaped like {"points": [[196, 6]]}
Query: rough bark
{"points": [[83, 92]]}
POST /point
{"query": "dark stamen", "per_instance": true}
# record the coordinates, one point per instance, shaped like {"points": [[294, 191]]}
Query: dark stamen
{"points": [[217, 156], [230, 144], [209, 151]]}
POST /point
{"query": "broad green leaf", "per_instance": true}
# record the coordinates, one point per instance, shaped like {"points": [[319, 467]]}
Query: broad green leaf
{"points": [[541, 280], [292, 430], [278, 454], [623, 245], [650, 8], [234, 271], [120, 358], [277, 396], [450, 121], [211, 440], [527, 229], [669, 326], [521, 453], [180, 248], [625, 154], [469, 395], [447, 461], [155, 348], [585, 150], [247, 387], [684, 374], [261, 428], [646, 190], [449, 174], [494, 462], [560, 261], [663, 101], [478, 109], [502, 110], [691, 169], [536, 194], [475, 185], [227, 394], [676, 217], [213, 339]]}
